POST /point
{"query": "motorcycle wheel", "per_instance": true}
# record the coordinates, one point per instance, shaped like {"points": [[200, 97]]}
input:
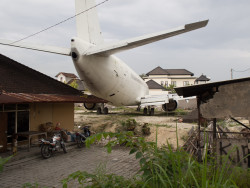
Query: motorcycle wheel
{"points": [[80, 142], [46, 151], [64, 148]]}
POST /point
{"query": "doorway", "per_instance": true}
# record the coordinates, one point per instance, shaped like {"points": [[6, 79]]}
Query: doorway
{"points": [[3, 131]]}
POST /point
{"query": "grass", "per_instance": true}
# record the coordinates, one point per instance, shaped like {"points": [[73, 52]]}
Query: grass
{"points": [[165, 167]]}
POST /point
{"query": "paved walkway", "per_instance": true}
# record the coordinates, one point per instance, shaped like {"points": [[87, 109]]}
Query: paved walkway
{"points": [[49, 172]]}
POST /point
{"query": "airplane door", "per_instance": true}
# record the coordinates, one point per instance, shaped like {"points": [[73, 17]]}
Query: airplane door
{"points": [[3, 131]]}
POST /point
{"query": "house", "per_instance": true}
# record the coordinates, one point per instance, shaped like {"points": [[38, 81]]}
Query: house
{"points": [[29, 98], [69, 78], [202, 80], [65, 77], [167, 77]]}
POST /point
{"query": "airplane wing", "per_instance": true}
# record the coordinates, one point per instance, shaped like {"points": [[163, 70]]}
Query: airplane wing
{"points": [[51, 49], [109, 49]]}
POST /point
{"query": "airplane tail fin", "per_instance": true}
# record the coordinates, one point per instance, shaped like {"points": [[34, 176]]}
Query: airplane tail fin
{"points": [[87, 23]]}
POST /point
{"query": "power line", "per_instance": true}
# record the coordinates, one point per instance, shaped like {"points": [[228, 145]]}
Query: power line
{"points": [[60, 22], [232, 70], [241, 71]]}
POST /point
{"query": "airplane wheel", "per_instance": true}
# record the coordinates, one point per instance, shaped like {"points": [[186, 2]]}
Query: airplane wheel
{"points": [[152, 112], [105, 110], [145, 111], [99, 110]]}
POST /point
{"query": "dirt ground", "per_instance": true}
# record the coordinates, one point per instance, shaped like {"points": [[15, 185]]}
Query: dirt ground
{"points": [[166, 124]]}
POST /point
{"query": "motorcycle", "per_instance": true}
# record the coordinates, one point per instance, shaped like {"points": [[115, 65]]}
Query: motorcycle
{"points": [[82, 136], [55, 144]]}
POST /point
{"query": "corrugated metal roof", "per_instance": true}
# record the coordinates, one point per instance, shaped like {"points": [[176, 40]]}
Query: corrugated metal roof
{"points": [[198, 90], [7, 98]]}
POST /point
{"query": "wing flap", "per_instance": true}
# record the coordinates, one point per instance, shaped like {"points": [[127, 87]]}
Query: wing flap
{"points": [[50, 49], [109, 49]]}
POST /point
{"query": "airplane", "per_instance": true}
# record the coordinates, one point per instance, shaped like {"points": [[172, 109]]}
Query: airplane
{"points": [[105, 75]]}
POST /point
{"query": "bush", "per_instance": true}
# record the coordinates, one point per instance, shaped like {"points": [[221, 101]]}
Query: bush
{"points": [[129, 124], [164, 167]]}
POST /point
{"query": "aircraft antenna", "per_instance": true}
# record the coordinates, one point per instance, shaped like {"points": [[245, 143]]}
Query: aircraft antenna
{"points": [[60, 22]]}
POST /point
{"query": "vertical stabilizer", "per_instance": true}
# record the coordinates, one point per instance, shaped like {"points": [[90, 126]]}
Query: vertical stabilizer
{"points": [[87, 23]]}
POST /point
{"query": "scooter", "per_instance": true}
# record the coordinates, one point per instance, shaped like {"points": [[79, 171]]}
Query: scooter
{"points": [[55, 144], [82, 136]]}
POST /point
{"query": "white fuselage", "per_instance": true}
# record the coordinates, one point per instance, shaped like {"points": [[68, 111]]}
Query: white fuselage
{"points": [[108, 77]]}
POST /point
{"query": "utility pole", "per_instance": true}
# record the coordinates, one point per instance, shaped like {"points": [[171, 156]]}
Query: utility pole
{"points": [[231, 74]]}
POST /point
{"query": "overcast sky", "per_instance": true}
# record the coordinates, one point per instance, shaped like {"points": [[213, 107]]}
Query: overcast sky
{"points": [[214, 50]]}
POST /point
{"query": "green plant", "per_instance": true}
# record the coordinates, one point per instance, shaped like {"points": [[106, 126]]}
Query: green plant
{"points": [[181, 112], [170, 88], [129, 124], [32, 185], [146, 129], [165, 167], [100, 178], [4, 161], [74, 84]]}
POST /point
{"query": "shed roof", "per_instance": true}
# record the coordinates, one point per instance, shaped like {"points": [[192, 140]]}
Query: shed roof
{"points": [[198, 90], [19, 83]]}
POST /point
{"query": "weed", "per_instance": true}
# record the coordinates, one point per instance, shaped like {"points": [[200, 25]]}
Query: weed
{"points": [[100, 178], [129, 124], [4, 161]]}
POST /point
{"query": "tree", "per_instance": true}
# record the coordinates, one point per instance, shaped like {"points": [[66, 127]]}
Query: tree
{"points": [[171, 88], [74, 84]]}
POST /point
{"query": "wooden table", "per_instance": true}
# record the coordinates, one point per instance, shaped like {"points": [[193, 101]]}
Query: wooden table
{"points": [[29, 134]]}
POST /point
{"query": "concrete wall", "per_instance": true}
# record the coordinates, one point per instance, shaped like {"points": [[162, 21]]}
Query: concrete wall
{"points": [[230, 100], [41, 113]]}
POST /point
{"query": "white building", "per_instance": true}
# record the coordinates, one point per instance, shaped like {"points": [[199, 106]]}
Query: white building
{"points": [[167, 77]]}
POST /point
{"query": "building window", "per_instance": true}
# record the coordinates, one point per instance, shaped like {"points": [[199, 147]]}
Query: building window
{"points": [[166, 83], [185, 83], [173, 83], [61, 79], [162, 83]]}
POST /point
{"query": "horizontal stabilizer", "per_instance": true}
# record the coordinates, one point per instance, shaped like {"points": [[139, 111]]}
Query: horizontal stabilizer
{"points": [[50, 49], [109, 49]]}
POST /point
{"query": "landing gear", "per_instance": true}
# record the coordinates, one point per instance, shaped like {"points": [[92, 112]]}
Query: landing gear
{"points": [[152, 112], [148, 111], [105, 110], [99, 111], [102, 110]]}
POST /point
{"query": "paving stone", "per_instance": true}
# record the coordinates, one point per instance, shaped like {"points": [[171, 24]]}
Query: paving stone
{"points": [[50, 172]]}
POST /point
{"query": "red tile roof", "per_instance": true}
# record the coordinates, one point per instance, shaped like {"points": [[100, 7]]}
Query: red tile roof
{"points": [[69, 75]]}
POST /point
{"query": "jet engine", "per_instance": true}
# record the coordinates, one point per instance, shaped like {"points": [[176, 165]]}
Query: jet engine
{"points": [[171, 106], [90, 106]]}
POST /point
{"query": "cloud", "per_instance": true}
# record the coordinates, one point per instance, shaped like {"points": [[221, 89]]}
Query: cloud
{"points": [[213, 50]]}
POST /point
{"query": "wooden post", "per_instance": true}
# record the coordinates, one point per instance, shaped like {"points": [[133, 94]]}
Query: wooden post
{"points": [[199, 129], [214, 136]]}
